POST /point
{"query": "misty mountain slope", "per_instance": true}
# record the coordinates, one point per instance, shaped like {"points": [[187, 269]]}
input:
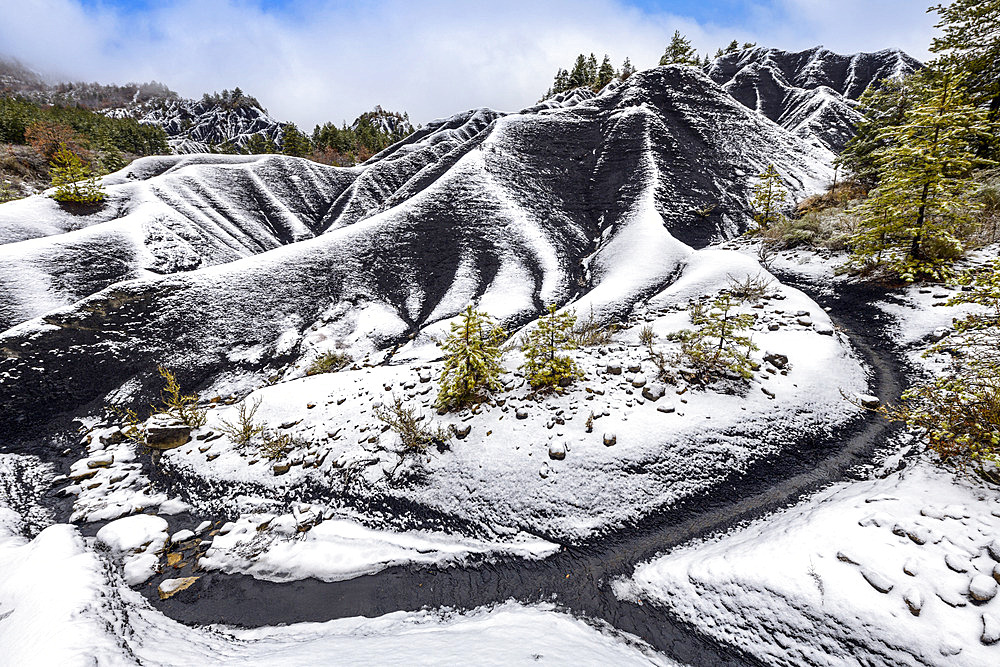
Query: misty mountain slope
{"points": [[810, 93], [599, 198], [163, 215]]}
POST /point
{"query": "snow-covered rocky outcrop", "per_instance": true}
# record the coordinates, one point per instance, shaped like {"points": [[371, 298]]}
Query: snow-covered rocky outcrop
{"points": [[811, 93], [195, 126]]}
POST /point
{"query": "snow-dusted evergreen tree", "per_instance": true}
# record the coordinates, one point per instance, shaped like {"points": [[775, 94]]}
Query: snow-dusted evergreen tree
{"points": [[882, 106], [769, 199], [971, 42], [605, 74], [958, 413], [679, 52], [912, 222], [544, 364], [627, 70], [472, 360], [719, 344], [73, 179], [293, 142]]}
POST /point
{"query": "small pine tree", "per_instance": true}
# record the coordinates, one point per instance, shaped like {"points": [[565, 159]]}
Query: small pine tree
{"points": [[911, 223], [718, 345], [769, 198], [627, 70], [604, 75], [733, 47], [73, 179], [258, 144], [679, 52], [7, 191], [111, 159], [958, 413], [544, 366], [472, 360], [591, 69], [881, 106], [293, 142], [578, 75]]}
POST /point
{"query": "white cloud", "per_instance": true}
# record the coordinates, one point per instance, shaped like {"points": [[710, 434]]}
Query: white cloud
{"points": [[332, 60]]}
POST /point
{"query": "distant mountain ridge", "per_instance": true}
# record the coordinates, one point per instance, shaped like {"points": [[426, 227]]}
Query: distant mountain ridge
{"points": [[811, 93], [192, 126]]}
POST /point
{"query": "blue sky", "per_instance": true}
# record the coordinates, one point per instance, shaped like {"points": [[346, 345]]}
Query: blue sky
{"points": [[310, 61]]}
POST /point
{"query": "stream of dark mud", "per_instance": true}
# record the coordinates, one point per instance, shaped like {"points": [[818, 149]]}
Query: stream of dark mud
{"points": [[578, 578]]}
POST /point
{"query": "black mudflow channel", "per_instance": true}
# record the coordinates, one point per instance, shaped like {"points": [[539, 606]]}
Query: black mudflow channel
{"points": [[578, 577]]}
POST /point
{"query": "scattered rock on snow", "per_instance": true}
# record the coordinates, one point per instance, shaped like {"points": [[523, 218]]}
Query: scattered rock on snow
{"points": [[991, 629], [776, 359], [869, 401], [181, 536], [982, 588], [653, 391], [993, 548], [610, 439], [462, 431], [165, 431], [557, 451], [170, 587], [877, 581], [956, 563], [665, 409], [615, 369], [914, 600]]}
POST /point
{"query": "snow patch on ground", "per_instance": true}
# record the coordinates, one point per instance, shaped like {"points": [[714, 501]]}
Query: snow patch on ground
{"points": [[337, 549], [834, 580]]}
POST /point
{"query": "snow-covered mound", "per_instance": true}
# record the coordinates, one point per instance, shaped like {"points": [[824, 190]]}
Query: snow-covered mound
{"points": [[163, 215], [811, 93], [898, 571], [601, 200]]}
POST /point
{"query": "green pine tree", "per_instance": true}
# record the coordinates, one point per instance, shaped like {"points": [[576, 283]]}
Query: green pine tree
{"points": [[733, 47], [882, 107], [605, 74], [293, 142], [578, 75], [627, 70], [912, 222], [971, 43], [544, 366], [73, 179], [258, 144], [718, 345], [679, 52], [769, 199], [591, 71], [472, 360]]}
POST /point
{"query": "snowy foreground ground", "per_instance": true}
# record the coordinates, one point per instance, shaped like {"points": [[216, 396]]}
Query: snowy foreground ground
{"points": [[60, 604], [900, 569], [886, 570]]}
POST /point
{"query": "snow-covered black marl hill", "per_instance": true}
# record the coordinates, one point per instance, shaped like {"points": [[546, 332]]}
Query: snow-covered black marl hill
{"points": [[811, 93], [594, 200]]}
